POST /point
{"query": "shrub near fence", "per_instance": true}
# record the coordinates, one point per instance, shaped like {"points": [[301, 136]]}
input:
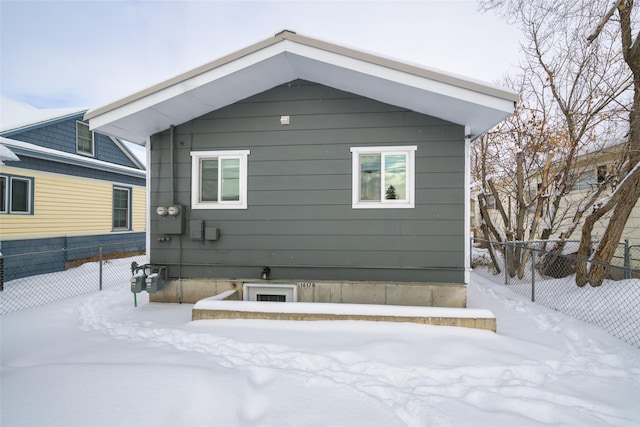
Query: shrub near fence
{"points": [[101, 267], [549, 280]]}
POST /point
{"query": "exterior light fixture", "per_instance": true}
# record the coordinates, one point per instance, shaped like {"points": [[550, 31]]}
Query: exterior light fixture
{"points": [[265, 273]]}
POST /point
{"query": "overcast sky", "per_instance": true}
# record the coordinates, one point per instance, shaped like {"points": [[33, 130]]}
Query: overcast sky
{"points": [[89, 53]]}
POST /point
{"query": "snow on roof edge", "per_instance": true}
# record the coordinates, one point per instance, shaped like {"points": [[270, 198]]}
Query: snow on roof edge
{"points": [[17, 115]]}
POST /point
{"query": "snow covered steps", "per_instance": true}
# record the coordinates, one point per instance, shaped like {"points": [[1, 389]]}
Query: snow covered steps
{"points": [[218, 308]]}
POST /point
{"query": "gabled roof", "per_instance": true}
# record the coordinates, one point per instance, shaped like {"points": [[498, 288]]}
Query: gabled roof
{"points": [[16, 116], [288, 56]]}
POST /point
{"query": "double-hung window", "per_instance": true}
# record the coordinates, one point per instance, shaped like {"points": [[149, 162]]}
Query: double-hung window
{"points": [[219, 179], [84, 139], [16, 194], [121, 208], [383, 177]]}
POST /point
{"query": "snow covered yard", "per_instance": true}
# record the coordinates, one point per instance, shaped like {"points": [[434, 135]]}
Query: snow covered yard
{"points": [[96, 360]]}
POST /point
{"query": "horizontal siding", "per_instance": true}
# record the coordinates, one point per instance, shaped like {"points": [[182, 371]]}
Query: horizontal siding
{"points": [[61, 135], [299, 215], [66, 205], [139, 208], [28, 257]]}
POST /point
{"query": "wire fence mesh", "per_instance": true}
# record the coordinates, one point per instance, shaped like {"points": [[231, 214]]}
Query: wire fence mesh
{"points": [[103, 267], [549, 279]]}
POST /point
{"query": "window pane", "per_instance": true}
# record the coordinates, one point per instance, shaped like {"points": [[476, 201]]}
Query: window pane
{"points": [[120, 208], [19, 195], [230, 179], [209, 183], [395, 177], [120, 199], [85, 143], [370, 177], [3, 193], [119, 219]]}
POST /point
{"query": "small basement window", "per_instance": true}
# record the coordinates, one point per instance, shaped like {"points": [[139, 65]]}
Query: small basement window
{"points": [[271, 298], [276, 292]]}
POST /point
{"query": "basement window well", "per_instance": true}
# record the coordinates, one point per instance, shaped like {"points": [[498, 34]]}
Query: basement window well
{"points": [[270, 292]]}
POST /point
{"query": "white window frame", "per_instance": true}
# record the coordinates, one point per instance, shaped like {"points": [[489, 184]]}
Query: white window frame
{"points": [[197, 157], [93, 140], [128, 227], [8, 195], [409, 203], [5, 196]]}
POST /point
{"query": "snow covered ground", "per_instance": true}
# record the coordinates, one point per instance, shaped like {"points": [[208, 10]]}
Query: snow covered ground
{"points": [[96, 360]]}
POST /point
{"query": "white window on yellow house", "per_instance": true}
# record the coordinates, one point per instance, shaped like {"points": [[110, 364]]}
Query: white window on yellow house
{"points": [[16, 194], [383, 177], [219, 179], [84, 139], [584, 180], [121, 208], [491, 202], [4, 193]]}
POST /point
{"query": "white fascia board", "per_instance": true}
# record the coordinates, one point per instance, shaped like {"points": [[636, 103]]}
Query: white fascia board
{"points": [[169, 100], [393, 76], [479, 118]]}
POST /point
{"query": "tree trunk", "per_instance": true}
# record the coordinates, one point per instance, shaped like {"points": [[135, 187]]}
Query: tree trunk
{"points": [[627, 198]]}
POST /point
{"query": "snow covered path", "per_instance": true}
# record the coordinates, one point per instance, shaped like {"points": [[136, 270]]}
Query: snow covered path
{"points": [[105, 362]]}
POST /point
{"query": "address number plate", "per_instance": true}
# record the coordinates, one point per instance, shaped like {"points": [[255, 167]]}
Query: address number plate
{"points": [[307, 284]]}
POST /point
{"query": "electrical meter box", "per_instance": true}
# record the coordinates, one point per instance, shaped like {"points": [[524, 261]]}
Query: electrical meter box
{"points": [[171, 219], [138, 283], [154, 282]]}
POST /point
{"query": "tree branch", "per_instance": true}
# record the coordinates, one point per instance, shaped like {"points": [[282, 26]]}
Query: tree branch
{"points": [[604, 21]]}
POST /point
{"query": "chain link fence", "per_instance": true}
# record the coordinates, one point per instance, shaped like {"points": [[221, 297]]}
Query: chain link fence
{"points": [[547, 278], [102, 267]]}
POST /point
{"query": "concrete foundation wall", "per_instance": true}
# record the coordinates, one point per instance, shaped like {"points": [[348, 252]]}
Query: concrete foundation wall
{"points": [[464, 322], [391, 293]]}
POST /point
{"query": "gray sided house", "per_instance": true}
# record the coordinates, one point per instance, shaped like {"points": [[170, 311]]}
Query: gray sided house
{"points": [[339, 175]]}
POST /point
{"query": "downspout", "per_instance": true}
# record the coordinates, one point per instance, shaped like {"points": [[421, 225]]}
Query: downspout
{"points": [[171, 189], [467, 205], [148, 194], [173, 201]]}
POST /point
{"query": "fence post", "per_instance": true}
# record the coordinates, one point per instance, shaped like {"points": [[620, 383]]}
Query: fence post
{"points": [[533, 277], [1, 272], [506, 262], [100, 261], [627, 260]]}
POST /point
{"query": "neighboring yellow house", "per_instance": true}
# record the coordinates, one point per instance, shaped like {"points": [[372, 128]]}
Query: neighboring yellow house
{"points": [[71, 189], [591, 170]]}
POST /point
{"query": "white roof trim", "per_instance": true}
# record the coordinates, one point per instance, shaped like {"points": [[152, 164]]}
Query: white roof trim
{"points": [[6, 155], [288, 56], [76, 159]]}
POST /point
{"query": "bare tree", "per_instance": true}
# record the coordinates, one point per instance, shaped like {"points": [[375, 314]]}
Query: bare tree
{"points": [[579, 86], [624, 199], [509, 161]]}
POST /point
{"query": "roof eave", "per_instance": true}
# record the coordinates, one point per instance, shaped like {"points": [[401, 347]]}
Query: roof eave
{"points": [[288, 56]]}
